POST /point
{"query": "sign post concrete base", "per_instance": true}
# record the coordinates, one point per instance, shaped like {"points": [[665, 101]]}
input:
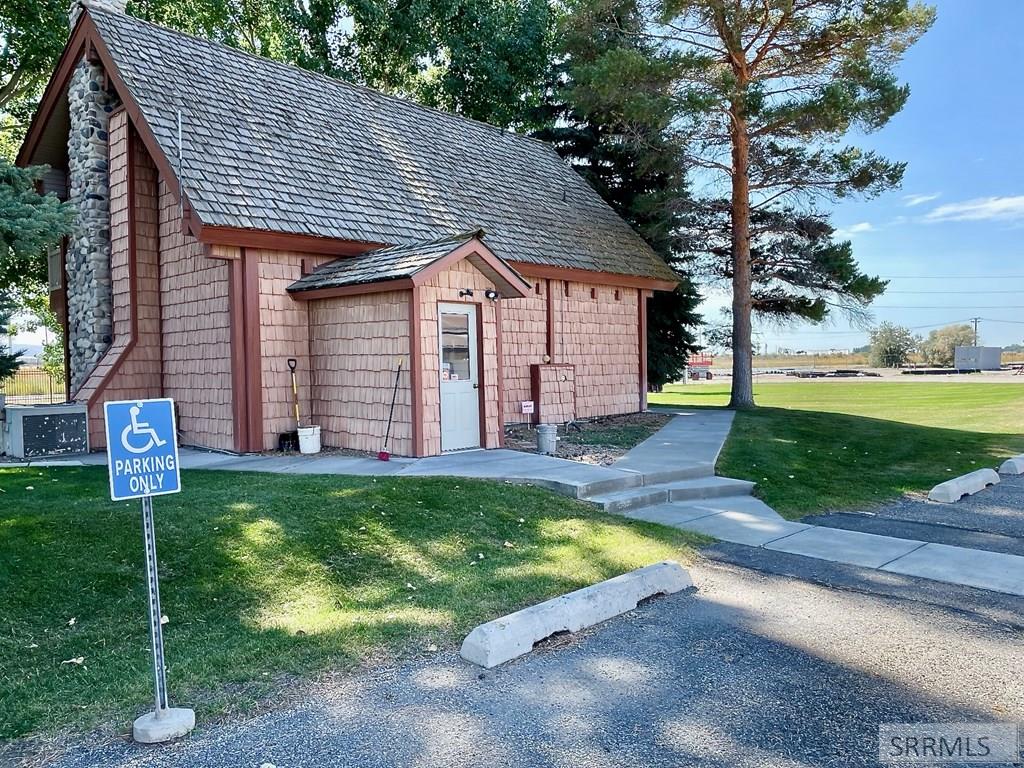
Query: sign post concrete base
{"points": [[163, 725]]}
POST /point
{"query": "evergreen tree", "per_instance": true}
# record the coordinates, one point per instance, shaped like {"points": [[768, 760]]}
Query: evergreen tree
{"points": [[29, 223], [798, 271], [608, 113], [10, 360], [767, 88]]}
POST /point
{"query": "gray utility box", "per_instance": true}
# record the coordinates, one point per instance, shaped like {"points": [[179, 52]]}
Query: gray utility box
{"points": [[35, 431], [977, 358]]}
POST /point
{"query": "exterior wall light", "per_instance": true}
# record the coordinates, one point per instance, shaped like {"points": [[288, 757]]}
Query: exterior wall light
{"points": [[465, 292], [491, 294]]}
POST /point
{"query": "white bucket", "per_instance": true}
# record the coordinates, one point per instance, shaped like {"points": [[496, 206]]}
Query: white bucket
{"points": [[547, 439], [309, 439]]}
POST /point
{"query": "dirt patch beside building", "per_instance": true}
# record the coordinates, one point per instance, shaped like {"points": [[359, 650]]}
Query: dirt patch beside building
{"points": [[600, 440]]}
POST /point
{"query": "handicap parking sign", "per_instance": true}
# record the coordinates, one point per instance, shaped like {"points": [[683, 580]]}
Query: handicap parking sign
{"points": [[142, 448]]}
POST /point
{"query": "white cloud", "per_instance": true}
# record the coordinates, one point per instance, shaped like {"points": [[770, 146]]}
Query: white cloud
{"points": [[1009, 208], [844, 233], [912, 200]]}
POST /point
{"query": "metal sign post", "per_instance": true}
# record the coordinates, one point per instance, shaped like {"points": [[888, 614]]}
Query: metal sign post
{"points": [[142, 453]]}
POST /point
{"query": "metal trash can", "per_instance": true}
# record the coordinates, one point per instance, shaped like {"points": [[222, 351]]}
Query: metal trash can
{"points": [[547, 439]]}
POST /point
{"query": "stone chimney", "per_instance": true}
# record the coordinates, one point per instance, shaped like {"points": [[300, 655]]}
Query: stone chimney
{"points": [[116, 6], [89, 295]]}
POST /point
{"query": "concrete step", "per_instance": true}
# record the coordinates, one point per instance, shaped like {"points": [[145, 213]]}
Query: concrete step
{"points": [[690, 472], [679, 490], [745, 503], [579, 488], [631, 498], [708, 488]]}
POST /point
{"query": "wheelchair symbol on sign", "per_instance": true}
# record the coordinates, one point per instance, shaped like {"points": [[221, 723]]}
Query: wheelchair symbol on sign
{"points": [[140, 428]]}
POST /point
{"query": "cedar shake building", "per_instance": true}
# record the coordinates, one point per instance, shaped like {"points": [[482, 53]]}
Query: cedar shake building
{"points": [[234, 213]]}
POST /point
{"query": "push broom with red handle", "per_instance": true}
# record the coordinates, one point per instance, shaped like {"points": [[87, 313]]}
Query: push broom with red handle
{"points": [[383, 455]]}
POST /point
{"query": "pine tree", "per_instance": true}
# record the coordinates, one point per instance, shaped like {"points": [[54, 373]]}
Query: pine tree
{"points": [[798, 270], [10, 360], [767, 88], [608, 114], [29, 222]]}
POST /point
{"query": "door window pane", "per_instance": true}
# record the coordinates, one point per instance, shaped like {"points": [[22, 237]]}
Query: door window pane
{"points": [[454, 347]]}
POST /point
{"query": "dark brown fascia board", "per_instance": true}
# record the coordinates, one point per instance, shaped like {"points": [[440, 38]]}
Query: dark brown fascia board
{"points": [[589, 276], [472, 248], [356, 289], [475, 247], [282, 241], [54, 89]]}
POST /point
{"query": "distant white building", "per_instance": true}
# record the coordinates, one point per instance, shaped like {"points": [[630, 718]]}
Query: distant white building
{"points": [[978, 358]]}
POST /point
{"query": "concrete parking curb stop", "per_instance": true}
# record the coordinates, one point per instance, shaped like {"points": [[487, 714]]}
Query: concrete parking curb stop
{"points": [[501, 640], [1013, 466], [965, 485]]}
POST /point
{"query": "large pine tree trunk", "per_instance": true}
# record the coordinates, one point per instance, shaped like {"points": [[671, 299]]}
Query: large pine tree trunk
{"points": [[742, 350]]}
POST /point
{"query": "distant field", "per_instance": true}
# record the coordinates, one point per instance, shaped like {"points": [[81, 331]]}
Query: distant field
{"points": [[815, 446], [828, 361], [800, 361]]}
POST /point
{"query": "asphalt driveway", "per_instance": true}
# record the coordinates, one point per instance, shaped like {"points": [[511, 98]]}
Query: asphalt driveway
{"points": [[754, 668], [991, 520]]}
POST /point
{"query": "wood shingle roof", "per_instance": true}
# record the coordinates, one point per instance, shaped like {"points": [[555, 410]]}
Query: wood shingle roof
{"points": [[271, 147]]}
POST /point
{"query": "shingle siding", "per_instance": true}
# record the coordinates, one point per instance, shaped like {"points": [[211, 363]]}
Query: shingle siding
{"points": [[196, 333], [593, 331], [356, 343]]}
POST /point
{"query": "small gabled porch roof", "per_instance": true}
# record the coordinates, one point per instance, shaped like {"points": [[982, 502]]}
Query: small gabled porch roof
{"points": [[405, 266]]}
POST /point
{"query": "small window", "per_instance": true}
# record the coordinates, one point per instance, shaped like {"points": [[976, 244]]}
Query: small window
{"points": [[593, 293], [536, 288], [566, 284], [616, 294], [454, 347]]}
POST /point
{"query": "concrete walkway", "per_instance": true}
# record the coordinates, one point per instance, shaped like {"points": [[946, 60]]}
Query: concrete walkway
{"points": [[685, 449]]}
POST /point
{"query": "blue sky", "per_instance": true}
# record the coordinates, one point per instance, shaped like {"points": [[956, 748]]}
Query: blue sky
{"points": [[960, 212]]}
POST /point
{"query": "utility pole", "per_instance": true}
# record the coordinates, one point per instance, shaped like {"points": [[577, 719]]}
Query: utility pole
{"points": [[975, 320]]}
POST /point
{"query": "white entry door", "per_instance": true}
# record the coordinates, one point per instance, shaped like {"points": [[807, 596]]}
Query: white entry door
{"points": [[460, 380]]}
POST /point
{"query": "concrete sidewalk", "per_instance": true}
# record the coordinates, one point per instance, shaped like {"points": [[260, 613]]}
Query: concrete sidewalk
{"points": [[686, 448], [755, 524]]}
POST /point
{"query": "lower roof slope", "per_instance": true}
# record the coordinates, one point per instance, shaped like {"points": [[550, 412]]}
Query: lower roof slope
{"points": [[411, 260], [271, 147]]}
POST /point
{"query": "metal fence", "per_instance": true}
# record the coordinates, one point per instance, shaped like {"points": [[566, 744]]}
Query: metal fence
{"points": [[32, 386]]}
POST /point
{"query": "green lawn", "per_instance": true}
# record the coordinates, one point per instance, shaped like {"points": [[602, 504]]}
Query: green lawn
{"points": [[816, 446], [266, 577]]}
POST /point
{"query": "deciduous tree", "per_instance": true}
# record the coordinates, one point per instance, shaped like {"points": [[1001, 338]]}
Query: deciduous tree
{"points": [[892, 345], [940, 347]]}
